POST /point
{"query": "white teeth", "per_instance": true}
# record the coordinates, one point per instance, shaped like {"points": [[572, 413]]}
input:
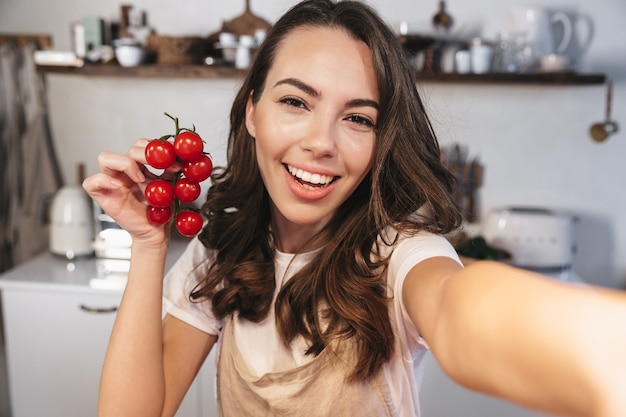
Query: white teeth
{"points": [[309, 177]]}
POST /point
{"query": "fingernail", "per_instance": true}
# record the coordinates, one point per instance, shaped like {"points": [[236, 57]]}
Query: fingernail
{"points": [[116, 183]]}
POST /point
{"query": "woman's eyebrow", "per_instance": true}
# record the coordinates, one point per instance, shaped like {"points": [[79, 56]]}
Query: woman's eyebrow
{"points": [[300, 85], [358, 102], [362, 102]]}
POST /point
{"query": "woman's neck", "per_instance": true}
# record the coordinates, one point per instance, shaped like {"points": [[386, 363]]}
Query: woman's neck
{"points": [[296, 238]]}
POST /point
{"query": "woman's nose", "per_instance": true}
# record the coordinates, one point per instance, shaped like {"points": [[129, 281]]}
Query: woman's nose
{"points": [[320, 139]]}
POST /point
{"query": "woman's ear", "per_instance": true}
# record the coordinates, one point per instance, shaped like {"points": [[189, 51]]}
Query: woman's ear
{"points": [[250, 119]]}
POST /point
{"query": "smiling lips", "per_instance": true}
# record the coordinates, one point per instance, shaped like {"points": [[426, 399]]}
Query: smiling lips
{"points": [[309, 180]]}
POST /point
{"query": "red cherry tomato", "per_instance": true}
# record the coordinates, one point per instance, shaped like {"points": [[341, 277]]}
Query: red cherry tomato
{"points": [[160, 154], [188, 223], [188, 146], [158, 215], [186, 191], [199, 170], [159, 193]]}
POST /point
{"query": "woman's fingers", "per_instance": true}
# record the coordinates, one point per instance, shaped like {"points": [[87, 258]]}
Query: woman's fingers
{"points": [[120, 166], [101, 183], [118, 189], [137, 151], [132, 163]]}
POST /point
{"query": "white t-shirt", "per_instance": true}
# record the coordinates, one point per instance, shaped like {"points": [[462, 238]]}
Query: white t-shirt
{"points": [[268, 354]]}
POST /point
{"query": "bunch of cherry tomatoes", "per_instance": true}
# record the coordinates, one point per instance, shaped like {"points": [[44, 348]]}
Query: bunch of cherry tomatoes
{"points": [[169, 198]]}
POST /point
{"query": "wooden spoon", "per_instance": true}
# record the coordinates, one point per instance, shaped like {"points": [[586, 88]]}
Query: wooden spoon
{"points": [[600, 131]]}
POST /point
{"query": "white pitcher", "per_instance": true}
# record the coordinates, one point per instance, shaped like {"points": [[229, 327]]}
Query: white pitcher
{"points": [[536, 25]]}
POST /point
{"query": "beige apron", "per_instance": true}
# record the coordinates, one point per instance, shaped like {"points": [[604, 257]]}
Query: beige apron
{"points": [[316, 389]]}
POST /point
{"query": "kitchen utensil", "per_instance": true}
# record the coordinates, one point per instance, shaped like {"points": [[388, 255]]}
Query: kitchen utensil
{"points": [[130, 55], [61, 58], [462, 61], [228, 45], [481, 56], [71, 221], [583, 31], [506, 52], [600, 131], [537, 238], [71, 225], [177, 50], [442, 21], [243, 54], [246, 24], [538, 24]]}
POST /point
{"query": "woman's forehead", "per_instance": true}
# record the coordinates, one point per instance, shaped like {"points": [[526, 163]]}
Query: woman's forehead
{"points": [[315, 52]]}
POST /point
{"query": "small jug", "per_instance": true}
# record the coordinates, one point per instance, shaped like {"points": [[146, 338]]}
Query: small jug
{"points": [[537, 26], [582, 34]]}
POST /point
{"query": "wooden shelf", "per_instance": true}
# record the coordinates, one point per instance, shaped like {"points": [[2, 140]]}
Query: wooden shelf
{"points": [[555, 78], [146, 71], [224, 72]]}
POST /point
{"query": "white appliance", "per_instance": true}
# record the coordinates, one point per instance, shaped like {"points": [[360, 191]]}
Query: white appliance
{"points": [[71, 223], [537, 238]]}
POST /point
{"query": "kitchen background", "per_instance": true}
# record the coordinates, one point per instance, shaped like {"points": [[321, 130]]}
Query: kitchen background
{"points": [[532, 139]]}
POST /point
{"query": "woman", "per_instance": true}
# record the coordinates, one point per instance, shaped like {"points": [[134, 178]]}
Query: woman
{"points": [[321, 276]]}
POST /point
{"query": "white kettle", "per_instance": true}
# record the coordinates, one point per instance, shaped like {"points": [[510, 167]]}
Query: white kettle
{"points": [[71, 223]]}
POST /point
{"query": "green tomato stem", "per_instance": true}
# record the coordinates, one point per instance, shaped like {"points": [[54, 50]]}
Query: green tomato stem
{"points": [[176, 200], [175, 119]]}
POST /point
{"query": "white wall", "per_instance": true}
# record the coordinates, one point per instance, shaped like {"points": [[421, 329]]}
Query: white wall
{"points": [[532, 140]]}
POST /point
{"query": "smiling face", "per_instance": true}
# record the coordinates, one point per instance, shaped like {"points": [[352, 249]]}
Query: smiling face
{"points": [[315, 129]]}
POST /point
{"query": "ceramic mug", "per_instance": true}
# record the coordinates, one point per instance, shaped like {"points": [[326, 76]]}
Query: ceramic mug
{"points": [[462, 61], [481, 56]]}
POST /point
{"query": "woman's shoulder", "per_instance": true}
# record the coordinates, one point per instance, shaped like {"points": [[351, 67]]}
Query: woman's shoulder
{"points": [[407, 249], [424, 240], [402, 242]]}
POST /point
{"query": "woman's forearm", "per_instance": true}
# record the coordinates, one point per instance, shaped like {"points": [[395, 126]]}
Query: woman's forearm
{"points": [[132, 382], [546, 344]]}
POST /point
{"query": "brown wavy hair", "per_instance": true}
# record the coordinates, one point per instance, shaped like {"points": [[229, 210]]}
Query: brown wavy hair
{"points": [[342, 293]]}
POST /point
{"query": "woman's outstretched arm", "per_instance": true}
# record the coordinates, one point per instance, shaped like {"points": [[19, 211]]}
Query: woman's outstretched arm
{"points": [[545, 344]]}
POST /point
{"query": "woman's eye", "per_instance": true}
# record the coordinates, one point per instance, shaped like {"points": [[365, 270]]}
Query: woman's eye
{"points": [[292, 101], [361, 120]]}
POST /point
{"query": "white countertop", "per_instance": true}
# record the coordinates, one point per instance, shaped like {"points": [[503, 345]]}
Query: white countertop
{"points": [[53, 272]]}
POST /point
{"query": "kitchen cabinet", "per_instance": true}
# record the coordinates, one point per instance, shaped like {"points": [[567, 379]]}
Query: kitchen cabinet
{"points": [[57, 326], [222, 72], [441, 396]]}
